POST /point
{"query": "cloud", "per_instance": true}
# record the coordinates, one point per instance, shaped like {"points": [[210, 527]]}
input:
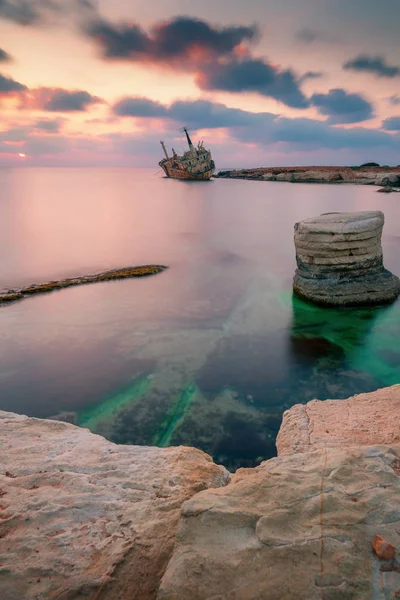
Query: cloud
{"points": [[180, 39], [342, 107], [4, 56], [308, 36], [253, 75], [265, 129], [376, 65], [58, 100], [36, 12], [139, 107], [391, 124], [219, 58], [395, 100], [201, 114], [39, 145], [8, 85], [49, 125], [311, 75]]}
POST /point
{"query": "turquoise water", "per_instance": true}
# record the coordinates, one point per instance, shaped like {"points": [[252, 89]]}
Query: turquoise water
{"points": [[208, 353]]}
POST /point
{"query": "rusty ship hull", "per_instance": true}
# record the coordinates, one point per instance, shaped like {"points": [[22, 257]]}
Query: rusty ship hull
{"points": [[177, 173], [195, 164]]}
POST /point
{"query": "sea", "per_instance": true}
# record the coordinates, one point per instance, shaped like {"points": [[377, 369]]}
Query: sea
{"points": [[209, 353]]}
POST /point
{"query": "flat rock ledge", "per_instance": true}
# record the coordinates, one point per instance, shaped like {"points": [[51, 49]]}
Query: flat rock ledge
{"points": [[44, 288], [339, 260], [382, 176], [84, 519]]}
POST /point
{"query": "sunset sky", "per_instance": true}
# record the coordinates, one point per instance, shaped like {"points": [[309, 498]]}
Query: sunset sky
{"points": [[261, 82]]}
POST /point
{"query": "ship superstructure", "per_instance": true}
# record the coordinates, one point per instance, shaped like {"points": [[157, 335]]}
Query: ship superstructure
{"points": [[196, 163]]}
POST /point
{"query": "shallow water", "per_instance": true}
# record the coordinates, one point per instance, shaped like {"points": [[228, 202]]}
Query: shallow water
{"points": [[208, 353]]}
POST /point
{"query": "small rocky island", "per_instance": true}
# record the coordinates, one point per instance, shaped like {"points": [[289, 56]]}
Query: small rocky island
{"points": [[43, 288], [369, 174], [339, 260]]}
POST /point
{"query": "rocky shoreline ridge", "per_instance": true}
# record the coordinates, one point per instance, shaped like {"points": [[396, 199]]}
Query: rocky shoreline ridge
{"points": [[50, 286], [81, 517], [389, 177]]}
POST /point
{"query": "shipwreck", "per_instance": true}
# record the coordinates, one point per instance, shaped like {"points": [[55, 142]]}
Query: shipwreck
{"points": [[196, 163]]}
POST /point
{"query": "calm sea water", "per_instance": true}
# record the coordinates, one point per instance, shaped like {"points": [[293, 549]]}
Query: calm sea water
{"points": [[208, 353]]}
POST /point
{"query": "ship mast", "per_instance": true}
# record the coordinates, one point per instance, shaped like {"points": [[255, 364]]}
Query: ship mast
{"points": [[165, 151], [189, 141]]}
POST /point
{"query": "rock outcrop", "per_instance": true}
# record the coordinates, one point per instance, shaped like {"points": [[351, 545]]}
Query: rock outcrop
{"points": [[362, 420], [339, 260], [369, 175], [82, 518], [301, 526]]}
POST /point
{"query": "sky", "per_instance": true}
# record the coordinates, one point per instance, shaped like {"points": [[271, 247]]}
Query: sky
{"points": [[299, 82]]}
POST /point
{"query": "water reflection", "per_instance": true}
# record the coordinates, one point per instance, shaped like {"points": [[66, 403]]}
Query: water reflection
{"points": [[209, 353]]}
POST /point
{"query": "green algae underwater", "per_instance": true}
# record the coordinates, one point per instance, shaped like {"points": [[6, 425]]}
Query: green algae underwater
{"points": [[234, 413]]}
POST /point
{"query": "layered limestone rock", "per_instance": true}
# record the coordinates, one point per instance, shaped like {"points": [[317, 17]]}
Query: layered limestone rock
{"points": [[339, 260], [301, 526], [82, 518]]}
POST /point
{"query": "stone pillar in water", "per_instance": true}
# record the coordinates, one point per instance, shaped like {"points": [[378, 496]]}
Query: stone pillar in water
{"points": [[339, 260]]}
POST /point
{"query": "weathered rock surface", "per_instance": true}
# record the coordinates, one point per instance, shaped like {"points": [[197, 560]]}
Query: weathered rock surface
{"points": [[339, 260], [82, 518], [362, 420], [51, 286], [388, 190], [372, 175], [300, 526]]}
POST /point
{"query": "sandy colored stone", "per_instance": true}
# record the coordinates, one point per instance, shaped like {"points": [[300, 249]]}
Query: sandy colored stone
{"points": [[361, 420], [82, 518], [299, 527]]}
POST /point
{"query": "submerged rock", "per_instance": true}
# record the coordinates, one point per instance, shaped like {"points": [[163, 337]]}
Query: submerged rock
{"points": [[387, 190], [113, 275], [339, 260]]}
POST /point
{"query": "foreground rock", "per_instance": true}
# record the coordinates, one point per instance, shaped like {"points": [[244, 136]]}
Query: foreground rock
{"points": [[42, 288], [339, 260], [300, 526], [370, 175], [362, 420], [81, 517]]}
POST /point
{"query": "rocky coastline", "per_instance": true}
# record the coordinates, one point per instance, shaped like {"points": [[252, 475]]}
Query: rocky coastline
{"points": [[82, 517], [114, 274], [365, 175]]}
